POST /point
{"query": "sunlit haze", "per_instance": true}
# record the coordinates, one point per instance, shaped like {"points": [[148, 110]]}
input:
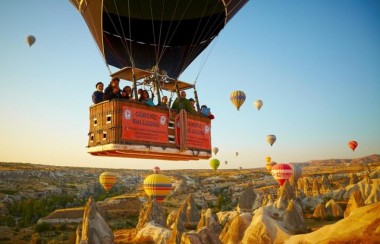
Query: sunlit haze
{"points": [[315, 65]]}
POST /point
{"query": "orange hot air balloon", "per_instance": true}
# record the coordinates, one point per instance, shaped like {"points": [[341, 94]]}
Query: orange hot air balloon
{"points": [[353, 145], [282, 172], [157, 186], [107, 179]]}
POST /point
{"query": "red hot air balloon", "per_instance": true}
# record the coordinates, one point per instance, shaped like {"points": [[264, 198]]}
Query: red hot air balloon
{"points": [[282, 172], [353, 145]]}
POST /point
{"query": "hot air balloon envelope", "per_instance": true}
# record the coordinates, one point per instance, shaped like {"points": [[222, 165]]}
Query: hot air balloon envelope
{"points": [[268, 159], [258, 104], [281, 173], [107, 179], [157, 186], [353, 145], [297, 171], [215, 150], [237, 98], [156, 169], [214, 163], [271, 139], [30, 40]]}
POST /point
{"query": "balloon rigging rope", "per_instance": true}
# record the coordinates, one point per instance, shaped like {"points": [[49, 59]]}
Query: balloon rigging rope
{"points": [[194, 51]]}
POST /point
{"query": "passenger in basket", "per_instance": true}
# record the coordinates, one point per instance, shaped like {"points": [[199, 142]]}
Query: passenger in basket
{"points": [[205, 111], [145, 98], [164, 102], [127, 92], [113, 91], [192, 103], [182, 103], [98, 95]]}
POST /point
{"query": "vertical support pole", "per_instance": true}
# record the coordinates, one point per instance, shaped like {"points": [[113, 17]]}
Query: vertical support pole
{"points": [[196, 99], [158, 88], [134, 85]]}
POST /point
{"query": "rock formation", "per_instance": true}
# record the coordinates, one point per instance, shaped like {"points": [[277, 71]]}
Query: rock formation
{"points": [[355, 201], [285, 194], [151, 211], [326, 184], [333, 209], [234, 230], [320, 211], [209, 220], [293, 218], [316, 188], [247, 200], [94, 229], [353, 179]]}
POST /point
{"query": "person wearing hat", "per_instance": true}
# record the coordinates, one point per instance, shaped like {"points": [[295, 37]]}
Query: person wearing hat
{"points": [[98, 95]]}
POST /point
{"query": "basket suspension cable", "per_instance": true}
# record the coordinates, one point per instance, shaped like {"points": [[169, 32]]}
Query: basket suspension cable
{"points": [[204, 60], [196, 99]]}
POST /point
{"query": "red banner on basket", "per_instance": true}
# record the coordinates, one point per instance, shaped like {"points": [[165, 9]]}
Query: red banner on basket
{"points": [[144, 125], [198, 134]]}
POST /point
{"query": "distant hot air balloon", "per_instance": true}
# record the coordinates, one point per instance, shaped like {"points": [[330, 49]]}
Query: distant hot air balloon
{"points": [[236, 154], [353, 145], [237, 98], [226, 162], [215, 150], [156, 169], [271, 139], [270, 165], [268, 159], [297, 171], [214, 163], [258, 104], [282, 172], [30, 40], [157, 186], [240, 168], [107, 179]]}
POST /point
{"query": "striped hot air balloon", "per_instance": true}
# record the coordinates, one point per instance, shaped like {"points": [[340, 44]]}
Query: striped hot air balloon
{"points": [[107, 179], [237, 98], [282, 172], [157, 186], [271, 139], [30, 40]]}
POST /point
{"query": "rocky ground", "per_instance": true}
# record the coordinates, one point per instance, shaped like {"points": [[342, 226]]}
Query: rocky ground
{"points": [[227, 203]]}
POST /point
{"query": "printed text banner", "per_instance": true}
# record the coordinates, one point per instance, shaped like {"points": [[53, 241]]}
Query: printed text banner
{"points": [[198, 134], [144, 125]]}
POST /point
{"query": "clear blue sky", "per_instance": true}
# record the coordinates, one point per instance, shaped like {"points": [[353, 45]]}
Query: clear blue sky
{"points": [[315, 64]]}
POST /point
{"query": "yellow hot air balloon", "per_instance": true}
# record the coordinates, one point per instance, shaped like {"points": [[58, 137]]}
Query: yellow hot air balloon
{"points": [[268, 159], [214, 163], [271, 139], [107, 179], [157, 186], [237, 98], [215, 150], [258, 104], [269, 165], [30, 40]]}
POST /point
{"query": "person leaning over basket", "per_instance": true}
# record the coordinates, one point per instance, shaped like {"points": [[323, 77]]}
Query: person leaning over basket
{"points": [[113, 91], [97, 96], [182, 103]]}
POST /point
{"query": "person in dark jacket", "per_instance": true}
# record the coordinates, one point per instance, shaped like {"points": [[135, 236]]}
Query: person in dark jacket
{"points": [[97, 96], [113, 90]]}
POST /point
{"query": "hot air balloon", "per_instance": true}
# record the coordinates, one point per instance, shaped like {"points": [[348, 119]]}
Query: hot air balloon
{"points": [[297, 171], [157, 186], [156, 169], [151, 43], [107, 179], [282, 172], [270, 165], [215, 150], [271, 139], [30, 40], [268, 159], [237, 98], [214, 163], [236, 154], [258, 104], [353, 145], [226, 162]]}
